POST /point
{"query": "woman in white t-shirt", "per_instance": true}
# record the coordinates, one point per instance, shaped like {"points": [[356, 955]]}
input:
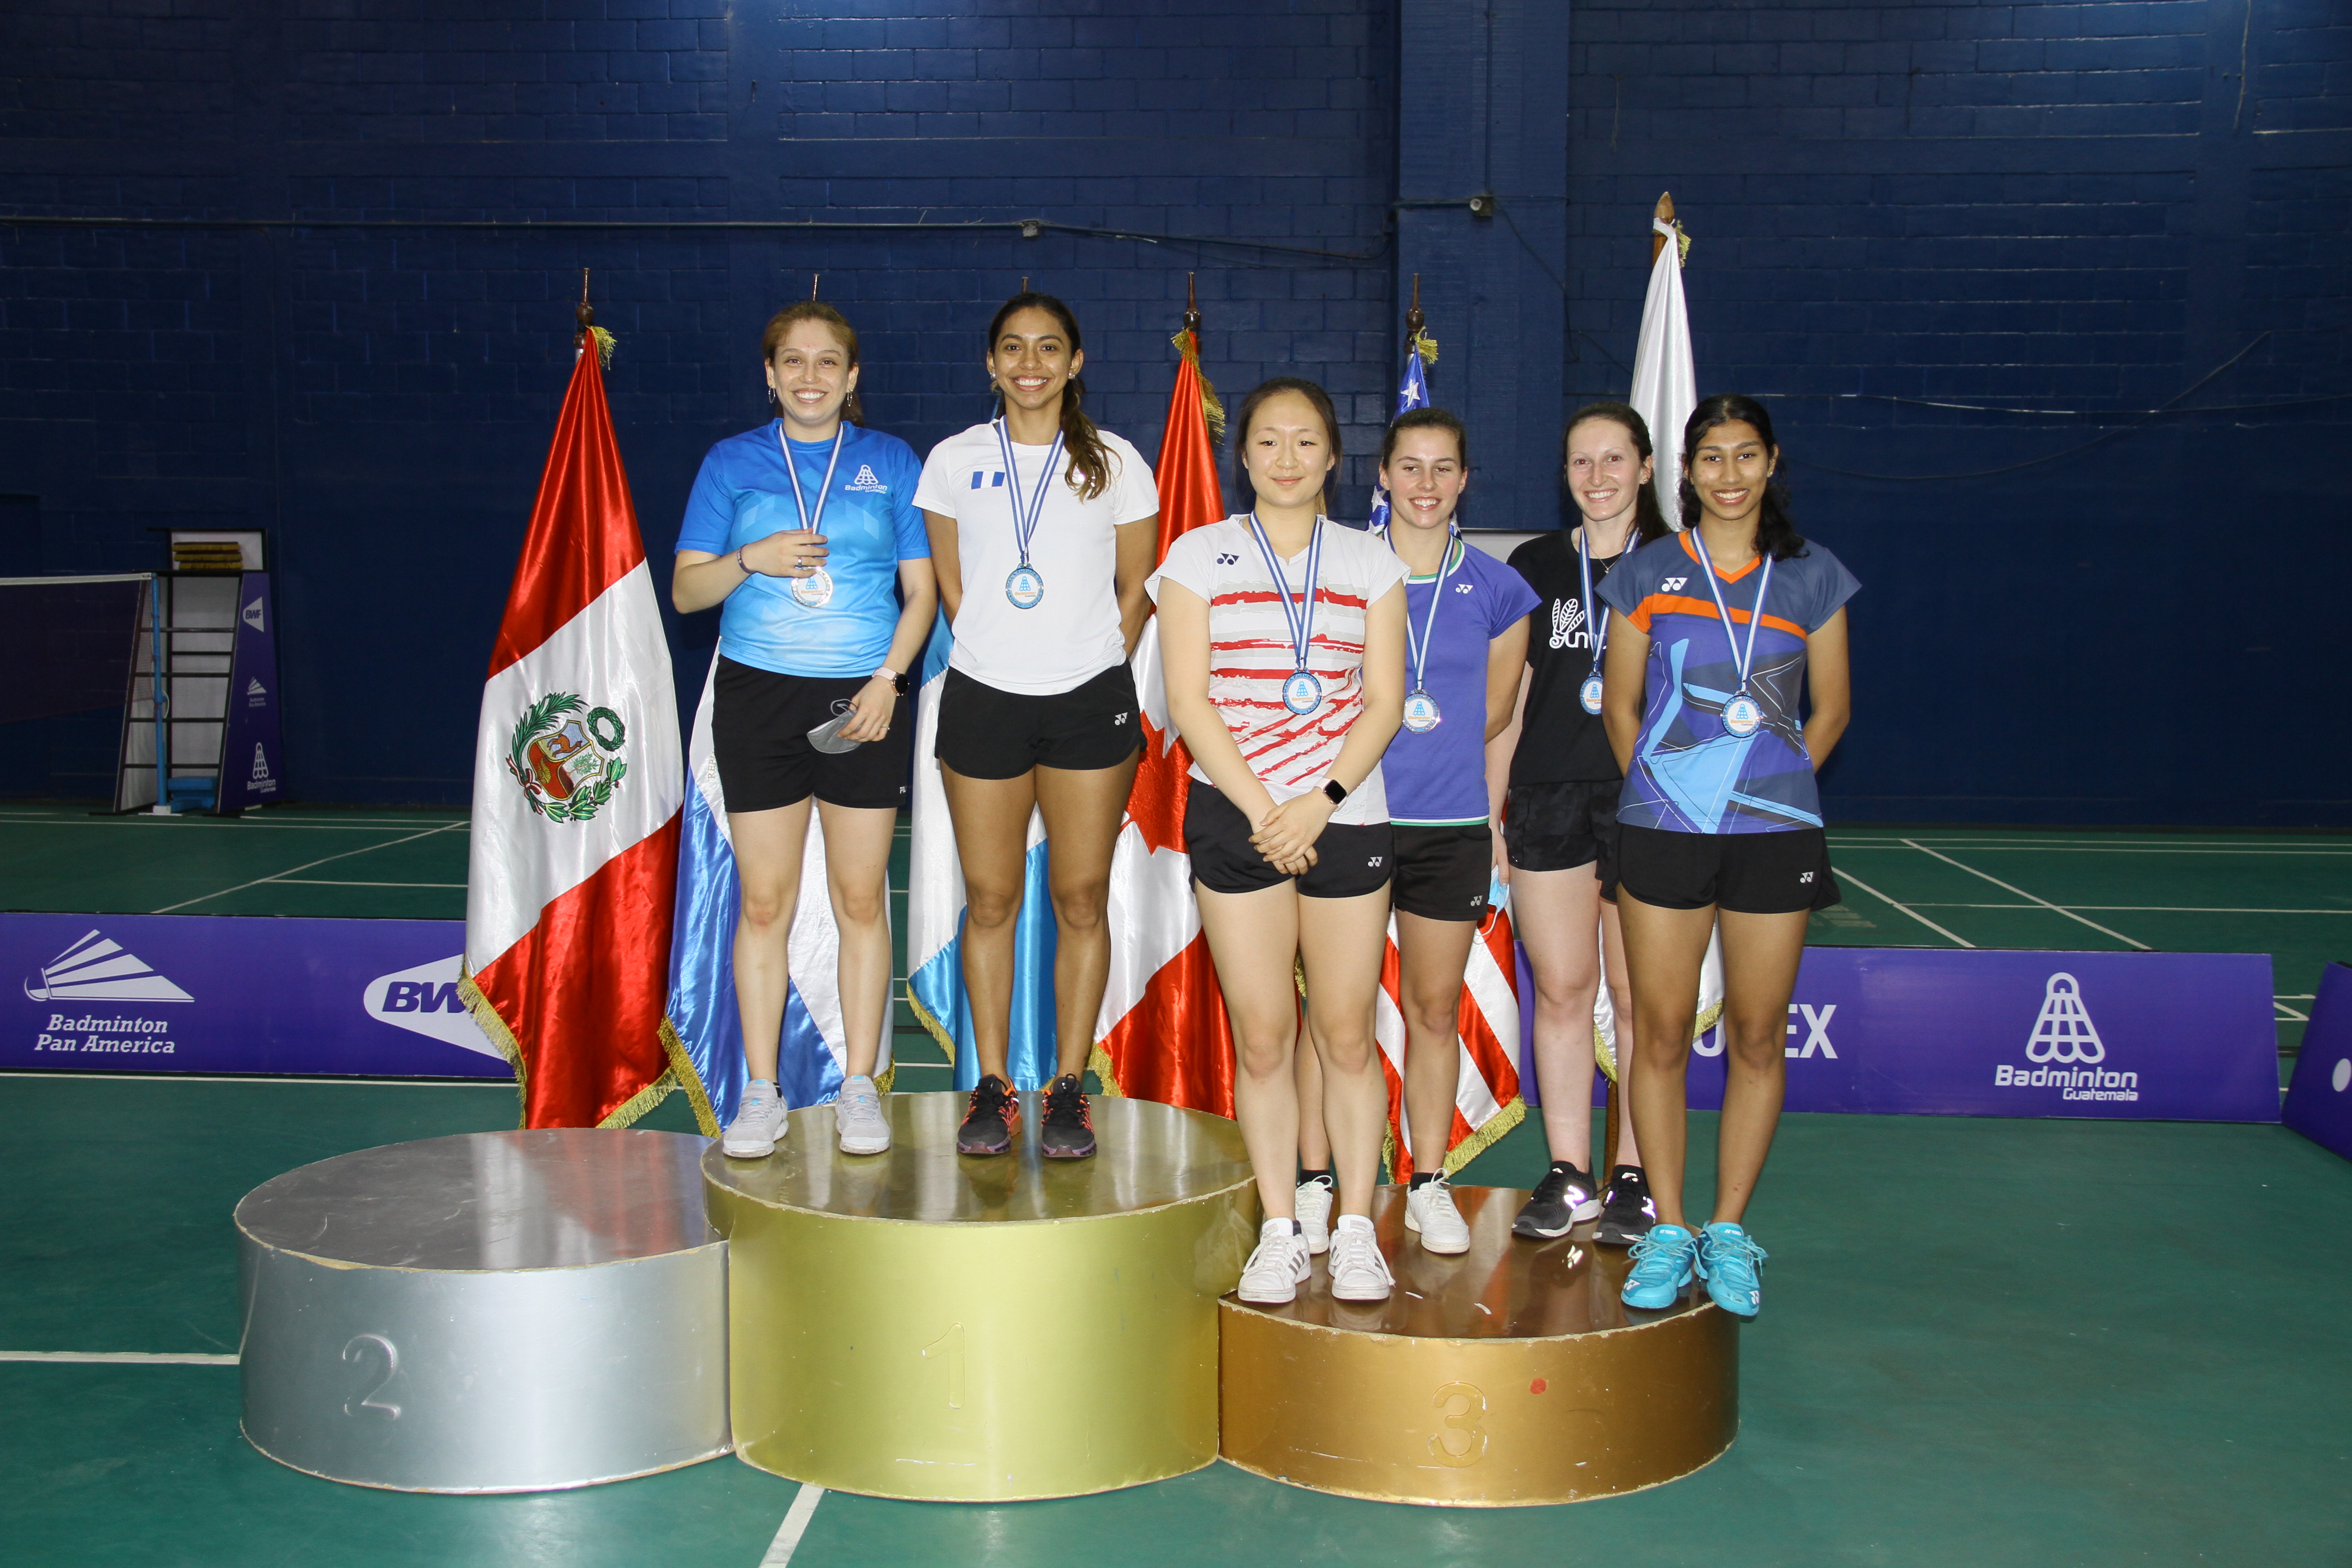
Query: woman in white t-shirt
{"points": [[1043, 529], [1283, 636]]}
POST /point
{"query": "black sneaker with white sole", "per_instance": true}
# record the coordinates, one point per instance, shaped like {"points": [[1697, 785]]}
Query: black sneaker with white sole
{"points": [[1627, 1210], [1563, 1200]]}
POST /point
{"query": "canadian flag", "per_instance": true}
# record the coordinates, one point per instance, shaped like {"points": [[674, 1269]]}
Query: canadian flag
{"points": [[578, 780]]}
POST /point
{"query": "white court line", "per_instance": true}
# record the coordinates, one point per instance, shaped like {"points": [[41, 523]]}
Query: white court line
{"points": [[788, 1534], [2198, 909], [336, 882], [2021, 892], [119, 1358], [2292, 1016], [95, 1073], [1842, 875], [289, 870]]}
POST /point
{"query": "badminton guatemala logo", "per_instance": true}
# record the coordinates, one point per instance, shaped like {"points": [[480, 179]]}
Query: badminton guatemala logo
{"points": [[568, 767], [2067, 1048]]}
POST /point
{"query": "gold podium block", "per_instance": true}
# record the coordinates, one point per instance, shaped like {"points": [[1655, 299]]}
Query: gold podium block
{"points": [[922, 1324], [1508, 1375]]}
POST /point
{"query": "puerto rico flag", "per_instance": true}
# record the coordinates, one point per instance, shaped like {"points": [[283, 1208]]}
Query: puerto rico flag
{"points": [[577, 785]]}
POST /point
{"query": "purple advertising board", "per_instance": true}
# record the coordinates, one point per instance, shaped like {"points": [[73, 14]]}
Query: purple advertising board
{"points": [[2184, 1037], [252, 766], [211, 993], [2319, 1099]]}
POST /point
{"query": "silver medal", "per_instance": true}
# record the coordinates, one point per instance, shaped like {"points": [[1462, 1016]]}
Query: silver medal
{"points": [[1742, 715], [1302, 693], [1420, 714], [1025, 586], [1590, 694], [815, 590]]}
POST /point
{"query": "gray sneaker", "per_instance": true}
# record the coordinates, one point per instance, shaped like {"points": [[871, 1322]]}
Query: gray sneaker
{"points": [[758, 1124], [857, 1117]]}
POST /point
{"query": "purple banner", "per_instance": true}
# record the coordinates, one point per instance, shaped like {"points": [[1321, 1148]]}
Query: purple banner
{"points": [[252, 751], [2319, 1099], [2183, 1036], [238, 994]]}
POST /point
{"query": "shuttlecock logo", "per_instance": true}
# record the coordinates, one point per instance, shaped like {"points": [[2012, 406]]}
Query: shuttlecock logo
{"points": [[98, 969], [2063, 1031]]}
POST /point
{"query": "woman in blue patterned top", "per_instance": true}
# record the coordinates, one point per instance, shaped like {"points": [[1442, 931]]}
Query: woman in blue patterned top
{"points": [[1717, 638]]}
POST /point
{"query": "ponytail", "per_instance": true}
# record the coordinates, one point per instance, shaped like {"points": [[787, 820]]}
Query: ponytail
{"points": [[1090, 469]]}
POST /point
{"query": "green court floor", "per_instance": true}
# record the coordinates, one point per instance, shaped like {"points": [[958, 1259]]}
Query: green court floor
{"points": [[1986, 1341]]}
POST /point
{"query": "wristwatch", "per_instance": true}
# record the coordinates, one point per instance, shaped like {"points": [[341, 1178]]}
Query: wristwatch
{"points": [[898, 682], [1335, 791]]}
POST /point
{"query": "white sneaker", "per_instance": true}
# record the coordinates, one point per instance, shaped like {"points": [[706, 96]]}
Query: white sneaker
{"points": [[1278, 1267], [758, 1124], [857, 1118], [1429, 1209], [1312, 1203], [1359, 1272]]}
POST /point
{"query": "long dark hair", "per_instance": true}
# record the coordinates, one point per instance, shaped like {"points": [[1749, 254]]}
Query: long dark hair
{"points": [[1323, 411], [1776, 530], [1089, 462], [1649, 522], [786, 319]]}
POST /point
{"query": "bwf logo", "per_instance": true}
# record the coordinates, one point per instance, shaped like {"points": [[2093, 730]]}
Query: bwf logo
{"points": [[2064, 1042]]}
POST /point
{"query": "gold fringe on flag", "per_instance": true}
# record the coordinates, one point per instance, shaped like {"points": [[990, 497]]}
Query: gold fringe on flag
{"points": [[1213, 410], [1428, 347], [603, 353]]}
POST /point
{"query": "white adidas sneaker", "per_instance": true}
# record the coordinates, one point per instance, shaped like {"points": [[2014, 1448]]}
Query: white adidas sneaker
{"points": [[1312, 1202], [1359, 1272], [760, 1123], [1429, 1210], [1278, 1267]]}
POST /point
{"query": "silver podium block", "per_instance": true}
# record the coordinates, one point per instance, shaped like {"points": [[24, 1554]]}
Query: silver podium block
{"points": [[493, 1313]]}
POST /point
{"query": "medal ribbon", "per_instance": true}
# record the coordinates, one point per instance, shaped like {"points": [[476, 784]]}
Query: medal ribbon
{"points": [[792, 468], [1302, 624], [1026, 512], [1597, 623], [1742, 661], [1419, 651]]}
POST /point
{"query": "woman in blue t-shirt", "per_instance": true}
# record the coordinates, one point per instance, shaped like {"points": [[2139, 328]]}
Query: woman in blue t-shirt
{"points": [[806, 530], [1465, 637], [1717, 638]]}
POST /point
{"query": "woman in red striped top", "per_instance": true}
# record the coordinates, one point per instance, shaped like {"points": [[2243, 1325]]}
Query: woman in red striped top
{"points": [[1283, 640]]}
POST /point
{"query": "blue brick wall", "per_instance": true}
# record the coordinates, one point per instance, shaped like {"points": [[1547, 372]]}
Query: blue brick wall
{"points": [[2067, 210], [2015, 207]]}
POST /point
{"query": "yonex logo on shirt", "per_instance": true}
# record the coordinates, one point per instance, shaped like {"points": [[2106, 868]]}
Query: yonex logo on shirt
{"points": [[1673, 585], [1461, 587], [1228, 560], [867, 481], [997, 478]]}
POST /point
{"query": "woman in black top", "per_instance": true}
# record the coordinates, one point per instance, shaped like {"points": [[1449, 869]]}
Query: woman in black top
{"points": [[1560, 826]]}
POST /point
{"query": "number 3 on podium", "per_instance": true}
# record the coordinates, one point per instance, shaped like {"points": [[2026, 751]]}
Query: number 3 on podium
{"points": [[1465, 1421]]}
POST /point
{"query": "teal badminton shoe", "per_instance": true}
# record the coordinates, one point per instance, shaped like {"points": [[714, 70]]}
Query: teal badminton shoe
{"points": [[1663, 1262], [1728, 1260]]}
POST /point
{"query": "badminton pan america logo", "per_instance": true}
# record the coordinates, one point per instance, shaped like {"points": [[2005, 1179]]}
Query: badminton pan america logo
{"points": [[567, 756], [97, 973], [2065, 1047]]}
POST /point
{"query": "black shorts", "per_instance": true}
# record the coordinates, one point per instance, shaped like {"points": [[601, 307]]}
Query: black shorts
{"points": [[985, 733], [1746, 873], [760, 723], [1443, 873], [1560, 826], [1348, 861]]}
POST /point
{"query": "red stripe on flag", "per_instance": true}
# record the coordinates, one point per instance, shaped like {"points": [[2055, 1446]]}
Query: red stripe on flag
{"points": [[583, 993], [1175, 1045], [582, 536]]}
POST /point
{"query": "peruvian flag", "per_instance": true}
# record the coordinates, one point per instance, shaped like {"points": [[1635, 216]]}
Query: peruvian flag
{"points": [[578, 781], [1163, 1033]]}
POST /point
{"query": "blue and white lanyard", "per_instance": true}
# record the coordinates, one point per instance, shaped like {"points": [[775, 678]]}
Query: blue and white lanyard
{"points": [[1742, 659], [811, 524], [1301, 622], [1596, 625], [1027, 512], [1419, 651]]}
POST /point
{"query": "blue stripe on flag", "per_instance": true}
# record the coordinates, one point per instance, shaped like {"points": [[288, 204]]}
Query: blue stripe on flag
{"points": [[937, 987]]}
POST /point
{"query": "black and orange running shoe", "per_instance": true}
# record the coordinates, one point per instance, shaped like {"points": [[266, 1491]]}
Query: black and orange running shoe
{"points": [[1067, 1133], [993, 1120]]}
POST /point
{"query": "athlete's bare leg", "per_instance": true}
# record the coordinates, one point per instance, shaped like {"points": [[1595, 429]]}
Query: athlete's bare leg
{"points": [[1083, 809], [991, 834], [768, 849]]}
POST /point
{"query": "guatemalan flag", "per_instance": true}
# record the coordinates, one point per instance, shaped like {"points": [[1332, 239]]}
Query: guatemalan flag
{"points": [[811, 1058], [1486, 1101], [576, 790]]}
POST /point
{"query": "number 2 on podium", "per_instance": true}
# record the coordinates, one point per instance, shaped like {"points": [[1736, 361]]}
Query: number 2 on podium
{"points": [[948, 1347]]}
